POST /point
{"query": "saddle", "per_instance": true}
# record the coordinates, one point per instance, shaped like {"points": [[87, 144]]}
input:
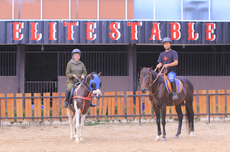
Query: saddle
{"points": [[72, 92], [179, 85]]}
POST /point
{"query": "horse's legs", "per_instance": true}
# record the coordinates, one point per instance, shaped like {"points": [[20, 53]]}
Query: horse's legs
{"points": [[77, 115], [157, 112], [180, 118], [81, 127], [163, 110], [74, 126], [71, 124]]}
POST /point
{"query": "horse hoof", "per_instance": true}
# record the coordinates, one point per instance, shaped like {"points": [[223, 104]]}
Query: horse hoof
{"points": [[77, 141], [163, 139], [157, 138], [176, 136], [191, 134], [82, 141]]}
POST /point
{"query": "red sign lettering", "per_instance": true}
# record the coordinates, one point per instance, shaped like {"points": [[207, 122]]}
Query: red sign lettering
{"points": [[52, 31], [134, 29], [191, 35], [114, 31], [70, 29], [209, 31], [90, 30], [175, 31], [155, 32], [115, 34], [17, 26], [34, 35]]}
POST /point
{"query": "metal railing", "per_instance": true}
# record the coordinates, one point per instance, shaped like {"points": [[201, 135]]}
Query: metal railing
{"points": [[140, 114]]}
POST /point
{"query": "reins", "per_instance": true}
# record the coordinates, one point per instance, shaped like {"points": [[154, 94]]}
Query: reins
{"points": [[156, 77], [84, 98], [83, 84]]}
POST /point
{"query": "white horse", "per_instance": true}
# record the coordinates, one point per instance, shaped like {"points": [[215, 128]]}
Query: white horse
{"points": [[89, 87]]}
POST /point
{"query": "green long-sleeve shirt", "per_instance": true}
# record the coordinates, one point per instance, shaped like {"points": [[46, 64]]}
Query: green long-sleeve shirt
{"points": [[77, 68]]}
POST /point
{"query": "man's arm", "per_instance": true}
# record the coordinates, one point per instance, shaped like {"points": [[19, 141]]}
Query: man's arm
{"points": [[174, 63]]}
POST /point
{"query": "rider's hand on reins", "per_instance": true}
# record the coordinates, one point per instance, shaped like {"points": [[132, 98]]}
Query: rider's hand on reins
{"points": [[166, 66], [158, 66], [74, 76]]}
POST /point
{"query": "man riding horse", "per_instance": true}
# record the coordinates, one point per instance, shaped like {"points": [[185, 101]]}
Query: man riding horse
{"points": [[169, 60]]}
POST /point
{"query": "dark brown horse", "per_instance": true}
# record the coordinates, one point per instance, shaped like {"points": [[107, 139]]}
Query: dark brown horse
{"points": [[90, 86], [159, 96]]}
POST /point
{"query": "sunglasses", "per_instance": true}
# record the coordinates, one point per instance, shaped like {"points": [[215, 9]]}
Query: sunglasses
{"points": [[76, 55]]}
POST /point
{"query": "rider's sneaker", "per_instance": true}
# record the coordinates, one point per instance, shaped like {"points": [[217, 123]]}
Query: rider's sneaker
{"points": [[92, 105], [65, 104]]}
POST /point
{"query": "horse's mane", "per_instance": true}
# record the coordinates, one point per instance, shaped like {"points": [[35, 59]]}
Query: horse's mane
{"points": [[160, 78]]}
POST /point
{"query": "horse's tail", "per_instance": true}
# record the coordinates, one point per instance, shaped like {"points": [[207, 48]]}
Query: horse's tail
{"points": [[188, 117], [189, 101], [189, 109]]}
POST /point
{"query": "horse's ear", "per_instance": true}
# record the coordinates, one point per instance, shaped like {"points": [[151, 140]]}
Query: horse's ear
{"points": [[91, 75], [99, 74], [150, 68], [140, 68]]}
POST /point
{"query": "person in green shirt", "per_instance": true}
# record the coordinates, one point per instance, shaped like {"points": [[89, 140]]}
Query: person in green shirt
{"points": [[75, 70]]}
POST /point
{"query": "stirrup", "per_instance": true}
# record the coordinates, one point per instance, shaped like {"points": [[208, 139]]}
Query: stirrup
{"points": [[174, 96]]}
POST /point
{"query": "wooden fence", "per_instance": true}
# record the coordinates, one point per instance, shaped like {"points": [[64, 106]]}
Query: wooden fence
{"points": [[120, 105]]}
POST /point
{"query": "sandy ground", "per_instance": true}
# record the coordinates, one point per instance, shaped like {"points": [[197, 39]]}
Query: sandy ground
{"points": [[115, 137]]}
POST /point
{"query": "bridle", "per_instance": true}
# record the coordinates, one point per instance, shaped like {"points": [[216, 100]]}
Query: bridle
{"points": [[157, 76], [82, 83], [156, 79]]}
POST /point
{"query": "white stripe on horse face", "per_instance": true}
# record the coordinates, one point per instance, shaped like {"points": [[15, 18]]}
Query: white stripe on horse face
{"points": [[96, 93]]}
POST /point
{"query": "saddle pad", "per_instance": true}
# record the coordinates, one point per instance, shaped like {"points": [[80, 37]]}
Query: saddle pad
{"points": [[179, 85]]}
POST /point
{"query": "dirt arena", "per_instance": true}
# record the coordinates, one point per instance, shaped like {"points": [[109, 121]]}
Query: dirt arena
{"points": [[115, 137]]}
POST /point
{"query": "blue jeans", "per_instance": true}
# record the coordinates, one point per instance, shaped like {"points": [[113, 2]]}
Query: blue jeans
{"points": [[171, 76]]}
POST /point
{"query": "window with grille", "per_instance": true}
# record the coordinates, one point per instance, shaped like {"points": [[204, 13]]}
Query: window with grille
{"points": [[204, 64], [109, 63], [193, 60], [8, 63]]}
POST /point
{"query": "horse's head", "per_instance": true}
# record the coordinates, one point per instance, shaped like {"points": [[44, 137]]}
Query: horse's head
{"points": [[94, 84], [145, 79]]}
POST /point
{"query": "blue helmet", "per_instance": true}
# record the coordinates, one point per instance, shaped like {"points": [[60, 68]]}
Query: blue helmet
{"points": [[166, 39], [76, 51]]}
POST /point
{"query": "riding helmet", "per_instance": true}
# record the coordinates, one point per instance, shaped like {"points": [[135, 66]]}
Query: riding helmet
{"points": [[166, 39], [76, 51]]}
